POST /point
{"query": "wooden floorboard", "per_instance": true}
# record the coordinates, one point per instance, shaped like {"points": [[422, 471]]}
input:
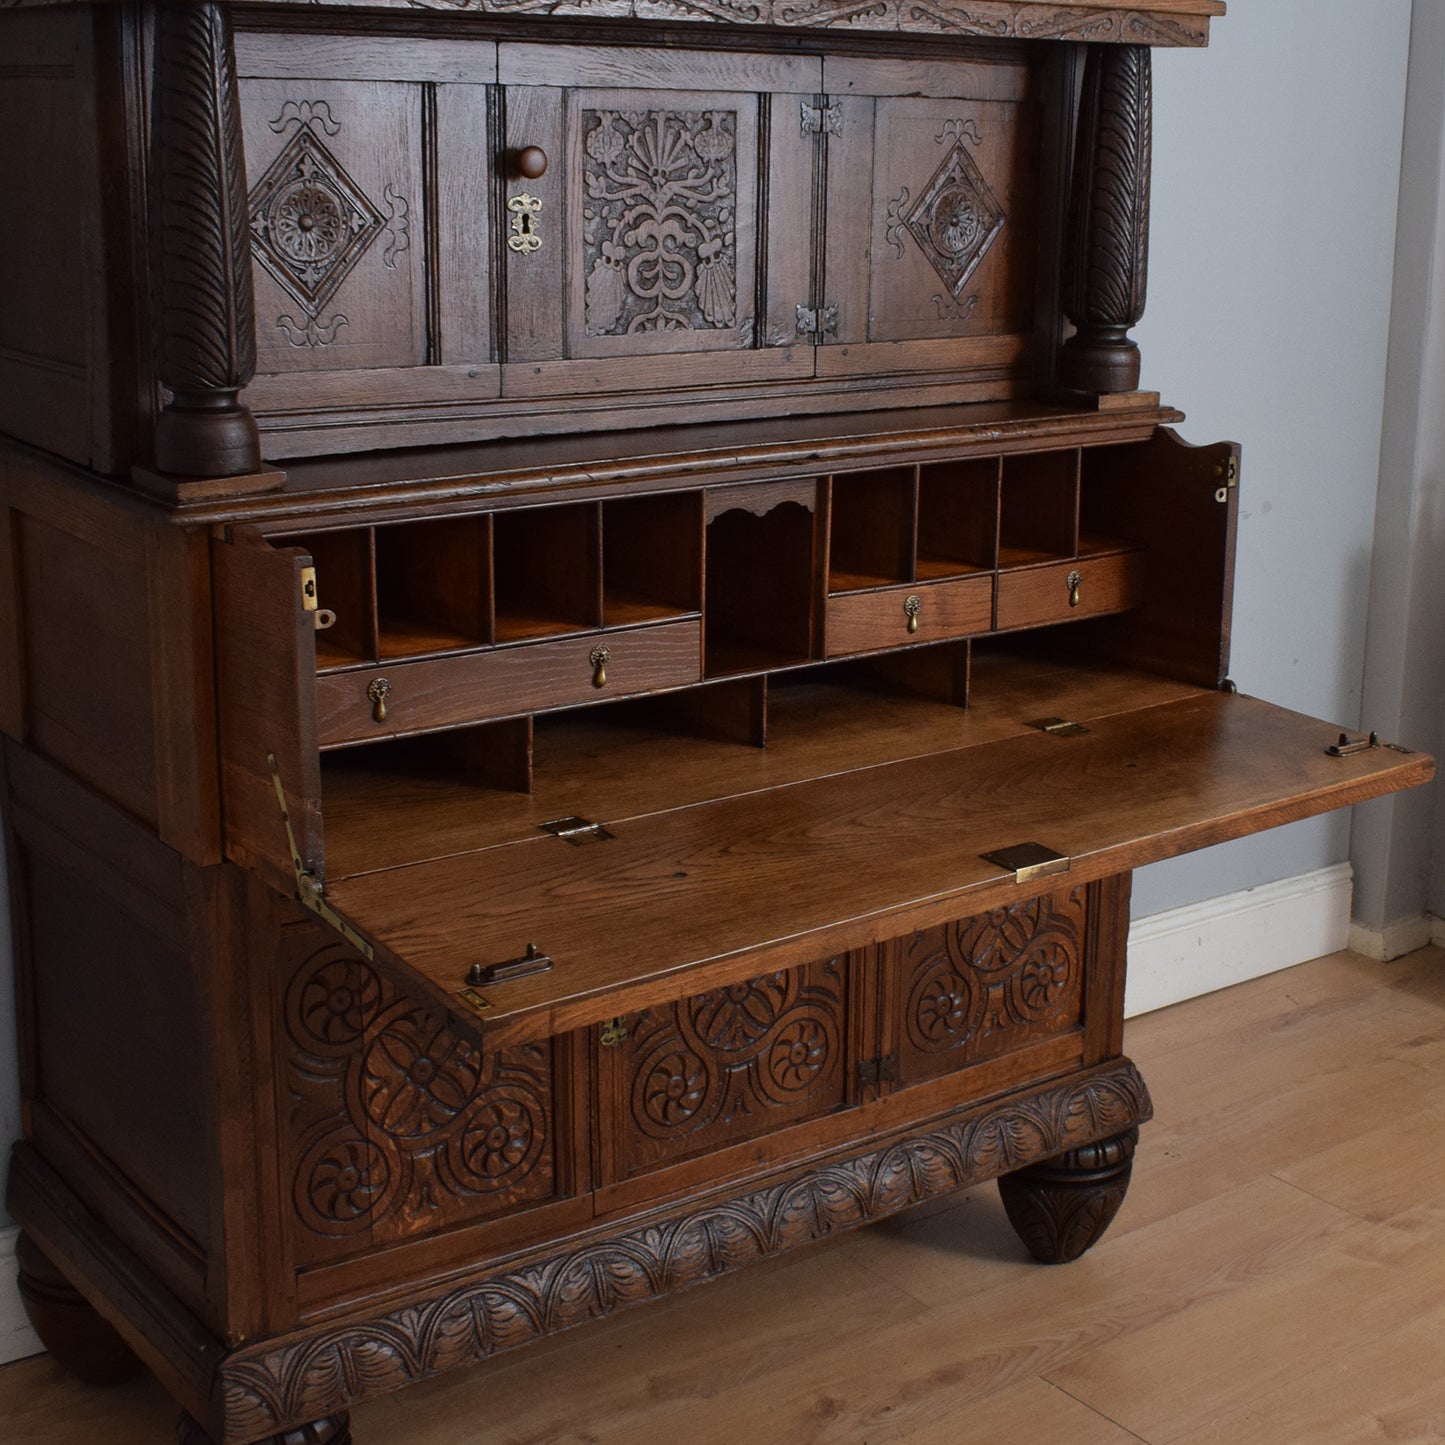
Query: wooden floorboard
{"points": [[1277, 1276]]}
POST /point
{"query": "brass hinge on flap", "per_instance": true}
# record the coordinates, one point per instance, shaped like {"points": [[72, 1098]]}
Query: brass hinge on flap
{"points": [[821, 119], [1059, 727], [1228, 473], [309, 888], [576, 831], [1027, 861]]}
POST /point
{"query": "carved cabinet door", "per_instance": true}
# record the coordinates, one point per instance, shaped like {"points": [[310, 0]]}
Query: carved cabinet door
{"points": [[939, 241], [658, 229], [370, 201]]}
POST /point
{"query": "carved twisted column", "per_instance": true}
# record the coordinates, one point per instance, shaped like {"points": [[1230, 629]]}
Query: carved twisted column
{"points": [[1107, 251], [205, 335]]}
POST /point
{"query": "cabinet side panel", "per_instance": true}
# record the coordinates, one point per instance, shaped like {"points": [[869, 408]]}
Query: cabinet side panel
{"points": [[52, 325]]}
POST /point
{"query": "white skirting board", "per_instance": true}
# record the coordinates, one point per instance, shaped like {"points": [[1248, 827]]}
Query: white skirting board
{"points": [[1172, 956], [1397, 939], [17, 1339], [1222, 941]]}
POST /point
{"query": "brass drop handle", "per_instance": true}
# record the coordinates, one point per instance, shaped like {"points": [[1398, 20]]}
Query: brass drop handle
{"points": [[377, 695], [601, 656], [531, 163], [912, 606], [1074, 581]]}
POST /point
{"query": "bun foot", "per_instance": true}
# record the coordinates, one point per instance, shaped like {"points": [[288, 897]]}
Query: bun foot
{"points": [[69, 1327], [1061, 1207], [330, 1430]]}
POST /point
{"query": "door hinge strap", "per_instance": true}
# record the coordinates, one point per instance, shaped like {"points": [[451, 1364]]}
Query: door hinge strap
{"points": [[817, 325], [872, 1072], [309, 888], [821, 119]]}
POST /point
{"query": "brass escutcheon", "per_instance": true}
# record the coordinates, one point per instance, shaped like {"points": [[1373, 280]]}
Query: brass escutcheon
{"points": [[912, 606], [614, 1032], [377, 693], [524, 239], [601, 656], [1074, 581]]}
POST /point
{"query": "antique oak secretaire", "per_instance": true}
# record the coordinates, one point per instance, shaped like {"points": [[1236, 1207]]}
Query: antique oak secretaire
{"points": [[592, 623]]}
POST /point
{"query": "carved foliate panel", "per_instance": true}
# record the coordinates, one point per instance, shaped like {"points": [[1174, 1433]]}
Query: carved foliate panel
{"points": [[981, 987], [394, 1124], [335, 213], [664, 254], [725, 1066]]}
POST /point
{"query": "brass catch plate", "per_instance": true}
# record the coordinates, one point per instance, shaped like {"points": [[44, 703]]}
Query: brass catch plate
{"points": [[475, 1000], [1058, 726], [1027, 861]]}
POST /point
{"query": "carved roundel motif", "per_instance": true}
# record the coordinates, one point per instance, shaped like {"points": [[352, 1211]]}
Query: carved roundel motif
{"points": [[800, 1050], [669, 1091], [332, 1004], [418, 1076], [343, 1183], [306, 221], [501, 1143]]}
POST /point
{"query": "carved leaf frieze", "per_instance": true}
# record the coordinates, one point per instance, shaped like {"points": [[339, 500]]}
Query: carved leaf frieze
{"points": [[269, 1386]]}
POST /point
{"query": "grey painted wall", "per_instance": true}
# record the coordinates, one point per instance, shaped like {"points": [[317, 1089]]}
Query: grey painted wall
{"points": [[1276, 177]]}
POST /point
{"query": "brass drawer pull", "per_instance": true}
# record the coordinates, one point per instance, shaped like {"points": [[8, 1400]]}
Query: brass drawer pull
{"points": [[377, 695], [601, 656], [1074, 581], [912, 606], [524, 239]]}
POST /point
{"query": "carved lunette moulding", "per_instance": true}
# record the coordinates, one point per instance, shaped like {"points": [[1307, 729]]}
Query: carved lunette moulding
{"points": [[271, 1386], [996, 19]]}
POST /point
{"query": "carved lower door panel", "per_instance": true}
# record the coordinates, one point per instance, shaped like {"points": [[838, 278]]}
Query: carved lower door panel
{"points": [[996, 984], [392, 1125], [722, 1068]]}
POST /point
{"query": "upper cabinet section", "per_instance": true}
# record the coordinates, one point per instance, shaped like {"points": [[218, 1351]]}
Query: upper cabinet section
{"points": [[457, 238]]}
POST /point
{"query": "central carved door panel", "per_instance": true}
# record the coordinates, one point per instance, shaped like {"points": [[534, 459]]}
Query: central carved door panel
{"points": [[668, 239]]}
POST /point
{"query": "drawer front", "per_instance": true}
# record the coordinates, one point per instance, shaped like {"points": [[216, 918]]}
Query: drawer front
{"points": [[867, 621], [1042, 594], [507, 681]]}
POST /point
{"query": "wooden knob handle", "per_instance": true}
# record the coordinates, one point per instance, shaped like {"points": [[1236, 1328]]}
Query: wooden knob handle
{"points": [[532, 162]]}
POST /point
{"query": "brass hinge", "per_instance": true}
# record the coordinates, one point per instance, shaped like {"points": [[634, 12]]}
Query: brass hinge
{"points": [[1228, 473], [309, 888], [818, 325], [821, 119], [1027, 861], [1347, 746], [1059, 727], [872, 1072], [576, 831]]}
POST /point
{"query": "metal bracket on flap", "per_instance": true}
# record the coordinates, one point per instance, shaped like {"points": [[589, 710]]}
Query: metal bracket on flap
{"points": [[309, 888], [1027, 861], [576, 831], [1059, 727], [1347, 746]]}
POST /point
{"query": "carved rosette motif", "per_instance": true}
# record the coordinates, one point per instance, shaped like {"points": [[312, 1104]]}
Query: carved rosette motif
{"points": [[311, 223], [988, 983], [657, 220], [740, 1053], [395, 1116], [269, 1385]]}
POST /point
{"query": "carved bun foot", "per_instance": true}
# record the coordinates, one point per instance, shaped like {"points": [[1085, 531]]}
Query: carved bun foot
{"points": [[67, 1323], [331, 1430], [1063, 1206]]}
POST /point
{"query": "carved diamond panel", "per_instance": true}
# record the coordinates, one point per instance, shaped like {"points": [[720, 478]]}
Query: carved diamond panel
{"points": [[310, 220], [956, 218], [659, 217]]}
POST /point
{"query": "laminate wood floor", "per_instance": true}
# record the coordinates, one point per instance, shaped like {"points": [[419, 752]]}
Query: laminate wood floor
{"points": [[1276, 1277]]}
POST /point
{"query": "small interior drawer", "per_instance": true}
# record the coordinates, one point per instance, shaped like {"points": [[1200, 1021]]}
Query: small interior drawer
{"points": [[1064, 591], [506, 681], [868, 621]]}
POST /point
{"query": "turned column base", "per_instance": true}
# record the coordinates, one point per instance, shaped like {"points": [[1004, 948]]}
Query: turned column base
{"points": [[1062, 1206], [330, 1430]]}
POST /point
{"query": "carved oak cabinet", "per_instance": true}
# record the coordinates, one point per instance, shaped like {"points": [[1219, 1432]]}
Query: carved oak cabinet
{"points": [[592, 623]]}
